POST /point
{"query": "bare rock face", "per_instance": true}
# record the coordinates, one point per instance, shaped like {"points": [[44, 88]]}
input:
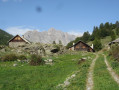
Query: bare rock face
{"points": [[47, 37]]}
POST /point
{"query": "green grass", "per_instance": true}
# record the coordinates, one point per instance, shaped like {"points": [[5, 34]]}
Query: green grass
{"points": [[79, 82], [102, 78], [104, 41], [44, 77], [114, 64]]}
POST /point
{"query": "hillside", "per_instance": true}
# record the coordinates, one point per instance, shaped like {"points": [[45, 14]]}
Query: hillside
{"points": [[104, 41], [4, 37], [104, 33]]}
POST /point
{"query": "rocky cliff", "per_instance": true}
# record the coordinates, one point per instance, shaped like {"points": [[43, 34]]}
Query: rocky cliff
{"points": [[49, 36]]}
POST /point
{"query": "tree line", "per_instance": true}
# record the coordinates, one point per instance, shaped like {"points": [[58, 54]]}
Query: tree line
{"points": [[4, 37]]}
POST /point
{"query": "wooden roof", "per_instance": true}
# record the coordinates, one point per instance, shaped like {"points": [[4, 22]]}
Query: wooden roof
{"points": [[21, 38], [83, 43]]}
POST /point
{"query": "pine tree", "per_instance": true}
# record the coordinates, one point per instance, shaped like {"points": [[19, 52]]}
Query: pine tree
{"points": [[86, 36], [69, 44], [97, 44], [117, 31], [117, 23], [54, 42], [60, 42], [77, 39], [113, 36]]}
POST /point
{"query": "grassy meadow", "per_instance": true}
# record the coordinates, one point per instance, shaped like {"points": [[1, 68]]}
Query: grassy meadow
{"points": [[43, 77]]}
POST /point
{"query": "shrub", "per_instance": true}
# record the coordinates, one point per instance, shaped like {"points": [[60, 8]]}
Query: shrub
{"points": [[36, 60], [9, 57], [115, 64], [97, 44], [81, 60], [22, 57], [114, 52]]}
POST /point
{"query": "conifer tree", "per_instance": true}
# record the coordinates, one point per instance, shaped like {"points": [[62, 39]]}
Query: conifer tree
{"points": [[60, 42], [113, 36], [54, 42], [97, 44]]}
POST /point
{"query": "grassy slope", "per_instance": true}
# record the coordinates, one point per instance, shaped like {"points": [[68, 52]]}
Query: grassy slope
{"points": [[102, 78], [38, 77], [104, 41]]}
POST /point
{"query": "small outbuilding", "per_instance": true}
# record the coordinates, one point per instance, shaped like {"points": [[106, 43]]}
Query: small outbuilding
{"points": [[81, 46], [17, 41], [114, 42]]}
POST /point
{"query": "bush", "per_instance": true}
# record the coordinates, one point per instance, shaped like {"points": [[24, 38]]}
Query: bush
{"points": [[22, 57], [36, 60], [114, 52], [97, 44], [115, 64], [57, 47], [9, 57]]}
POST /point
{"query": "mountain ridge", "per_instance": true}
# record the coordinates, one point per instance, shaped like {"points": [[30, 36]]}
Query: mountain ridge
{"points": [[49, 36]]}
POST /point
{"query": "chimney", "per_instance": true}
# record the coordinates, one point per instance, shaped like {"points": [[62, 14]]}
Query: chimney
{"points": [[92, 46], [23, 36], [73, 44]]}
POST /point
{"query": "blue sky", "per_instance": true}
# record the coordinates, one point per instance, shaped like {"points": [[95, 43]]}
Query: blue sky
{"points": [[73, 16]]}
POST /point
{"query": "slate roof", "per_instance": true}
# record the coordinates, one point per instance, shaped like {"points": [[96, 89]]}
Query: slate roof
{"points": [[115, 41]]}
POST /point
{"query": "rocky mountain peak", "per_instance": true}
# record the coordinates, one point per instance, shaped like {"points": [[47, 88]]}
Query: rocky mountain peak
{"points": [[49, 36], [51, 30]]}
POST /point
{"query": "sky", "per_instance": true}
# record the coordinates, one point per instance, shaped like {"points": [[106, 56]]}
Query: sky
{"points": [[72, 16]]}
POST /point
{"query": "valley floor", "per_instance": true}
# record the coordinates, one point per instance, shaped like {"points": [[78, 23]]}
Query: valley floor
{"points": [[67, 72]]}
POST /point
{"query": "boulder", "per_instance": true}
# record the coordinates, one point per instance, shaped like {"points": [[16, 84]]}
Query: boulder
{"points": [[2, 46], [49, 61], [14, 65], [3, 50]]}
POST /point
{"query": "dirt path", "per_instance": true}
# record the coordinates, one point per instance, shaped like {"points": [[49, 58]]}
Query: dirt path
{"points": [[113, 74], [89, 85]]}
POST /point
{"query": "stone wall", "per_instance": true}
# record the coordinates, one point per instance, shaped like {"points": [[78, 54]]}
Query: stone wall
{"points": [[16, 44]]}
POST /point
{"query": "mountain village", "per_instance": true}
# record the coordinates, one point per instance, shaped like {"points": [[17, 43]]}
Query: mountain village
{"points": [[59, 45]]}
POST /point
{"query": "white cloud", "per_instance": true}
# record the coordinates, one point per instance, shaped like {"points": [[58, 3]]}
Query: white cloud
{"points": [[12, 0], [76, 33], [19, 30]]}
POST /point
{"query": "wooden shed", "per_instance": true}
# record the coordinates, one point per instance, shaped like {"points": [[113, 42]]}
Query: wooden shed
{"points": [[17, 41], [81, 46], [114, 42]]}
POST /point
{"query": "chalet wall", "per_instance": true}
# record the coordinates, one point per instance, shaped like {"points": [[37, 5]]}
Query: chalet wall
{"points": [[16, 44], [82, 47]]}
